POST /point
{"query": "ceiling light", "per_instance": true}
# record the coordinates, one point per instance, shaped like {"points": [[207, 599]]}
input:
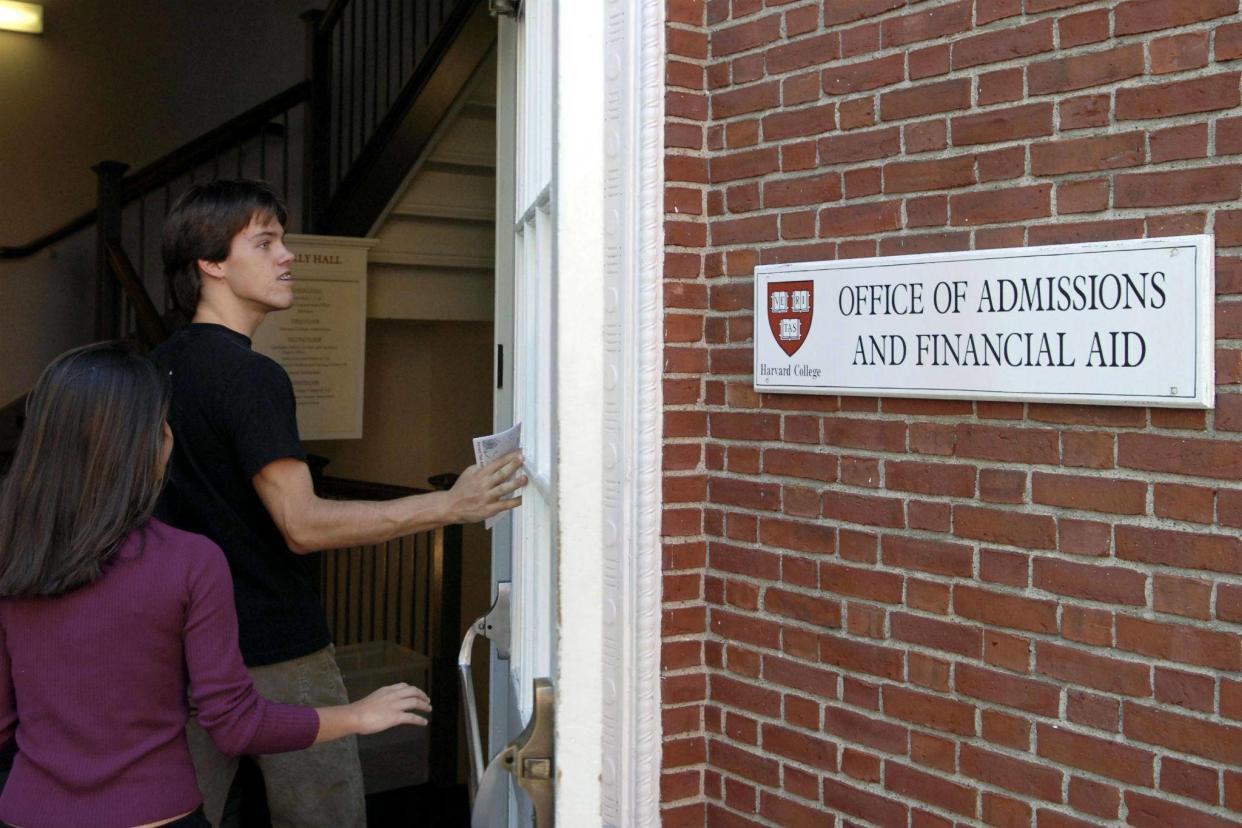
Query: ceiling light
{"points": [[21, 17]]}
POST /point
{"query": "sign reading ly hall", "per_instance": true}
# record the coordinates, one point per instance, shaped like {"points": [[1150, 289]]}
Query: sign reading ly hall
{"points": [[1113, 323]]}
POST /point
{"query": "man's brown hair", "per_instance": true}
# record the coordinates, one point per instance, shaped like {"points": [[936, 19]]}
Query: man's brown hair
{"points": [[202, 224]]}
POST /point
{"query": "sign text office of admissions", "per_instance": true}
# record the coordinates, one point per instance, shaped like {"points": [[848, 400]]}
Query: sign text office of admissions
{"points": [[1121, 323]]}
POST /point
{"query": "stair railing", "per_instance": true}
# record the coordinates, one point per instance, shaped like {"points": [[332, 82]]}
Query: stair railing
{"points": [[406, 591]]}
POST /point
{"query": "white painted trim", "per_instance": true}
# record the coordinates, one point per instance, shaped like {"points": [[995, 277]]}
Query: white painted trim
{"points": [[633, 401], [578, 382]]}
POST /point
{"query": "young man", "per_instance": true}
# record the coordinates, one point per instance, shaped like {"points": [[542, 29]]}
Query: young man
{"points": [[238, 475]]}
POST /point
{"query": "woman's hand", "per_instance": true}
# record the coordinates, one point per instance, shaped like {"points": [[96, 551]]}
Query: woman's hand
{"points": [[390, 706], [386, 707]]}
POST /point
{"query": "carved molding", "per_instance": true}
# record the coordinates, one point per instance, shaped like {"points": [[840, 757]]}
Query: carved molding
{"points": [[633, 335]]}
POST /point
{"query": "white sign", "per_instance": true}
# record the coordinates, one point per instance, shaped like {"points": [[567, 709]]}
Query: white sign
{"points": [[321, 340], [1116, 323]]}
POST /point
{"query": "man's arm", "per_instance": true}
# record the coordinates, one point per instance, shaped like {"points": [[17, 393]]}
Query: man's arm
{"points": [[311, 523]]}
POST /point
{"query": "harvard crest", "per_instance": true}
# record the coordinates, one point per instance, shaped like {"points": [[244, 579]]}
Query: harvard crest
{"points": [[790, 307]]}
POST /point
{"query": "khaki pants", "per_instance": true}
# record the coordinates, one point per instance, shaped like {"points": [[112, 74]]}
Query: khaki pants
{"points": [[320, 787]]}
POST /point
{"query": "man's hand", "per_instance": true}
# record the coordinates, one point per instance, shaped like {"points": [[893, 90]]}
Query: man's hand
{"points": [[483, 491]]}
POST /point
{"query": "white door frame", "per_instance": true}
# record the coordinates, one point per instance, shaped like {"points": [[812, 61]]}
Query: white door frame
{"points": [[608, 178], [609, 249]]}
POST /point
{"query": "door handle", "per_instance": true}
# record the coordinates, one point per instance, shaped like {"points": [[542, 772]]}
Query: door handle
{"points": [[493, 626], [531, 757]]}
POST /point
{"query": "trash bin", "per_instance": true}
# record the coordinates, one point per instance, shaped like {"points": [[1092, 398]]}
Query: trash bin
{"points": [[399, 756]]}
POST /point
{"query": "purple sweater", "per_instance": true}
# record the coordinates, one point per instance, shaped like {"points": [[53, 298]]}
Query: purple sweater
{"points": [[93, 685]]}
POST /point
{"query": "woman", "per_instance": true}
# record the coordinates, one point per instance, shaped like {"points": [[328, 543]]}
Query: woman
{"points": [[109, 617]]}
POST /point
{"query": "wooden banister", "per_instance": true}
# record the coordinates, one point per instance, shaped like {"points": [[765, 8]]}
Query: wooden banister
{"points": [[169, 167]]}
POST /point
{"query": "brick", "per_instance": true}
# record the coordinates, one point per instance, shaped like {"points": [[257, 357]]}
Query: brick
{"points": [[1098, 712], [930, 788], [936, 557], [1189, 690], [933, 23], [1186, 734], [1092, 797], [1083, 71], [1179, 53], [1003, 44], [1182, 187], [1007, 730], [730, 425], [1003, 610], [1100, 672], [863, 805], [940, 174], [1004, 527], [1011, 652], [804, 749], [860, 146], [1214, 553], [850, 78], [1178, 455], [1100, 756], [729, 40], [954, 637], [860, 219], [929, 62], [755, 98], [1104, 152], [804, 464], [1229, 42], [787, 812], [802, 607], [792, 192], [803, 52], [1002, 165], [1084, 111], [1001, 86], [752, 766], [730, 692], [999, 206], [856, 728], [796, 123], [796, 674], [1096, 494], [1011, 774], [1081, 29], [857, 656], [1088, 449], [927, 99], [1110, 584], [1190, 780], [1032, 696], [1002, 486], [1206, 94], [1082, 196], [1004, 567], [739, 165], [1180, 643], [1138, 16], [1182, 596]]}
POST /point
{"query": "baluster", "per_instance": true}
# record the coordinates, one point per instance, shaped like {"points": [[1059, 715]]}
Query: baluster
{"points": [[375, 64], [316, 131], [339, 74], [108, 228], [387, 53], [284, 155]]}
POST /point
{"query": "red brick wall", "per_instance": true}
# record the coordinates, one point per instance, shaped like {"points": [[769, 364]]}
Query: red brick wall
{"points": [[926, 612]]}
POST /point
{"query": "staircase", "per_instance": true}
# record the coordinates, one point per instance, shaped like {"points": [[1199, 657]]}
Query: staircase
{"points": [[381, 77]]}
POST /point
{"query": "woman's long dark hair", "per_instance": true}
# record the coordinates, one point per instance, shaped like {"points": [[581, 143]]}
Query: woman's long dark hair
{"points": [[86, 471]]}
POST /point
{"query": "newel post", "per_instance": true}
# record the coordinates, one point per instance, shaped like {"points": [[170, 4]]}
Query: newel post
{"points": [[107, 228]]}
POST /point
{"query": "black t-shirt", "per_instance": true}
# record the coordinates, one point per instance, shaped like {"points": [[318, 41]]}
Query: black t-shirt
{"points": [[233, 412]]}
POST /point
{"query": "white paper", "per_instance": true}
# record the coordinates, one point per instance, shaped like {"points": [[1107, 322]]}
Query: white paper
{"points": [[493, 446]]}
